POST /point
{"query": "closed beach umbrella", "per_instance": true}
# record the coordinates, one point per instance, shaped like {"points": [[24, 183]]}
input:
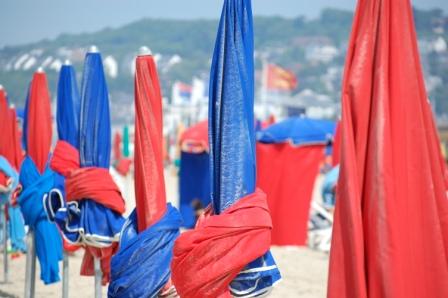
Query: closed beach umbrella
{"points": [[67, 119], [94, 201], [390, 236], [37, 179], [141, 268], [213, 259], [68, 106]]}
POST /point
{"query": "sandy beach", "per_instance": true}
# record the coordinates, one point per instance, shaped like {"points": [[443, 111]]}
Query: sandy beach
{"points": [[304, 271]]}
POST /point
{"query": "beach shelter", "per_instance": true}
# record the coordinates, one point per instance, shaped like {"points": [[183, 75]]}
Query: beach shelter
{"points": [[141, 267], [194, 173], [289, 155], [228, 252], [390, 235], [37, 178], [94, 202]]}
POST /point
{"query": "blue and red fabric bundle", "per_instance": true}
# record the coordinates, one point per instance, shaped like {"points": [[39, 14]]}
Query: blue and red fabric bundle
{"points": [[37, 178], [10, 160], [88, 210], [228, 252], [141, 267]]}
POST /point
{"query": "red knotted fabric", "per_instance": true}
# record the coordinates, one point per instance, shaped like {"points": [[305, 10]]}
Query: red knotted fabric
{"points": [[95, 184], [88, 182], [39, 119], [150, 193], [239, 235], [390, 236]]}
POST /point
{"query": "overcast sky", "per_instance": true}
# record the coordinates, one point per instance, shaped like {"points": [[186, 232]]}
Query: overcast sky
{"points": [[24, 21]]}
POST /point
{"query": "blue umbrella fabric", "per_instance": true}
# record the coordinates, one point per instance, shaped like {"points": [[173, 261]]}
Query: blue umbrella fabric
{"points": [[299, 131], [16, 223], [67, 118], [232, 163], [68, 106], [92, 214], [232, 133], [37, 179], [95, 149]]}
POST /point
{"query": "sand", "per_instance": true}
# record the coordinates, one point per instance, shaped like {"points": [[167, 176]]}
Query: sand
{"points": [[304, 271]]}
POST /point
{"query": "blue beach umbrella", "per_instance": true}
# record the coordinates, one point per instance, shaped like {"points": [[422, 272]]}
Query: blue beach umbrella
{"points": [[101, 225], [299, 131], [68, 106], [232, 134], [66, 215]]}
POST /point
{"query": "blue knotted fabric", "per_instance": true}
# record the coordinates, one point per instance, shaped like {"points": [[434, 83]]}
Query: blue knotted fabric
{"points": [[232, 133], [152, 249], [48, 242], [15, 224]]}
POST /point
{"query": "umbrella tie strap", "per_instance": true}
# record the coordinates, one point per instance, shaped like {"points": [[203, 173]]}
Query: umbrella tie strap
{"points": [[207, 259]]}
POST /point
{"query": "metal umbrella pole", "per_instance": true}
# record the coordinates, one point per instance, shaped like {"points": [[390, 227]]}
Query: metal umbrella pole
{"points": [[30, 273], [98, 277], [65, 275], [5, 246]]}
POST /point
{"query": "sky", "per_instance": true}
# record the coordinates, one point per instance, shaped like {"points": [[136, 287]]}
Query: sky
{"points": [[26, 21]]}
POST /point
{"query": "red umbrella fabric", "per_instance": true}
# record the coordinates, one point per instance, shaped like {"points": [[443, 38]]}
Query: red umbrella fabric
{"points": [[39, 111], [4, 141], [149, 180], [117, 147], [141, 267], [390, 236], [336, 156], [195, 138]]}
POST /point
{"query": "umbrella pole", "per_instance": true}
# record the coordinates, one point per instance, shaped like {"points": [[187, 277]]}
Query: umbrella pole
{"points": [[65, 275], [98, 277], [5, 246], [30, 273]]}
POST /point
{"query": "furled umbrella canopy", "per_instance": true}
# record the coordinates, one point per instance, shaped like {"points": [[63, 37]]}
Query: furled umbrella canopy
{"points": [[6, 150], [37, 179], [141, 268], [16, 139], [390, 236], [94, 200], [239, 232], [17, 225], [68, 106], [67, 119], [4, 141]]}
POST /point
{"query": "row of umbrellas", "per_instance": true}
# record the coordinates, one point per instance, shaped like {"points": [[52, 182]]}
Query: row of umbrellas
{"points": [[390, 234]]}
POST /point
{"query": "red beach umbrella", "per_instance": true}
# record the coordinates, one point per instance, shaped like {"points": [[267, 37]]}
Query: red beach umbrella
{"points": [[390, 236], [38, 137], [149, 180]]}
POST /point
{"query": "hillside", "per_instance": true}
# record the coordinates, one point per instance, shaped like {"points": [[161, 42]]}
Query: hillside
{"points": [[313, 49]]}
